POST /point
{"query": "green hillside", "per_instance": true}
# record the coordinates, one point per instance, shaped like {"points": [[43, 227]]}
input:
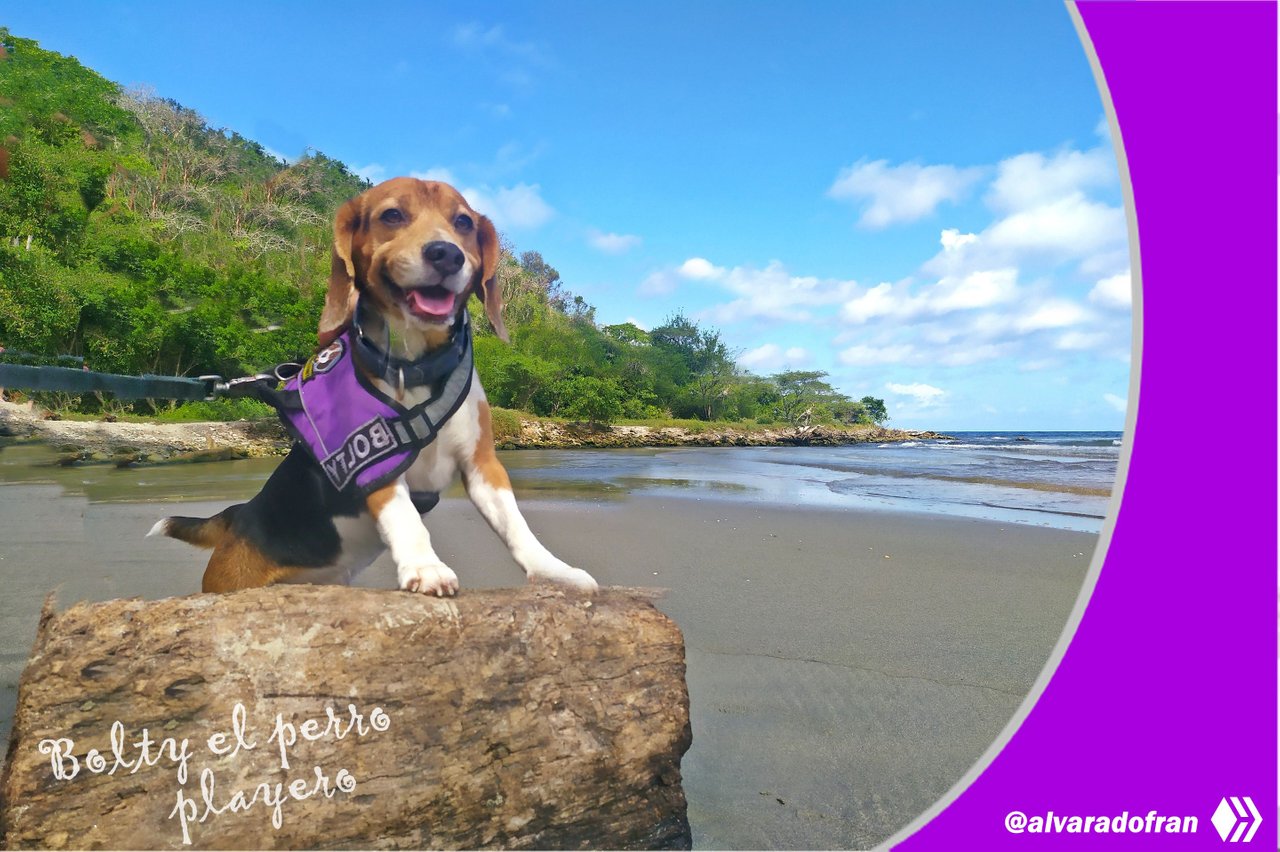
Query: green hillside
{"points": [[137, 236]]}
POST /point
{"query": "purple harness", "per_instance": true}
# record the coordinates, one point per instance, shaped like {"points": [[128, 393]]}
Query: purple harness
{"points": [[360, 437]]}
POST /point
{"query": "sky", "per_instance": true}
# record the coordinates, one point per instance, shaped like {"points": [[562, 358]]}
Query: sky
{"points": [[918, 198]]}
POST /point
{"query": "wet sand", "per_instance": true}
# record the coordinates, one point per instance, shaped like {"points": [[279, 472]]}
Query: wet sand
{"points": [[845, 668]]}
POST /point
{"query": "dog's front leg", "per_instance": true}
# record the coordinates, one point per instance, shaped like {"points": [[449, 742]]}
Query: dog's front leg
{"points": [[418, 569], [489, 488]]}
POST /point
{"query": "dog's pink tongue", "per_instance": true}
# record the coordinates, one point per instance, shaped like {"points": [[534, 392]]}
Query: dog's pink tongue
{"points": [[439, 303]]}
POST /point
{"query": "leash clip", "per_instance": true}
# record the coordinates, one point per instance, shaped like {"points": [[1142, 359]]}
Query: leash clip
{"points": [[217, 387], [213, 385]]}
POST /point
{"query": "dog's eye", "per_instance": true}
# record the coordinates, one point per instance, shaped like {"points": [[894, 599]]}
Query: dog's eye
{"points": [[391, 216], [463, 223]]}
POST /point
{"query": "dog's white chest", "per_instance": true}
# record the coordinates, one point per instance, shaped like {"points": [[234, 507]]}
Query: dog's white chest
{"points": [[438, 462]]}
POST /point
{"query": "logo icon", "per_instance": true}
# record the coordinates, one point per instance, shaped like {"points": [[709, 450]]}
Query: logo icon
{"points": [[1236, 819], [327, 358], [324, 360]]}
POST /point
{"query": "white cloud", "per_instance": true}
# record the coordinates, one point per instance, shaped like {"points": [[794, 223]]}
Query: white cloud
{"points": [[637, 323], [953, 240], [1045, 214], [1107, 262], [1012, 293], [1032, 179], [1113, 292], [442, 175], [979, 289], [867, 356], [660, 283], [1055, 314], [473, 36], [512, 158], [1119, 403], [924, 395], [903, 193], [1065, 228], [612, 243], [878, 301], [520, 206], [699, 269], [1080, 340], [769, 293], [966, 355], [771, 357], [374, 172]]}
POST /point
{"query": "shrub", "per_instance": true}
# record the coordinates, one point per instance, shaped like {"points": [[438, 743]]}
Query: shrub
{"points": [[217, 409], [598, 401], [506, 424]]}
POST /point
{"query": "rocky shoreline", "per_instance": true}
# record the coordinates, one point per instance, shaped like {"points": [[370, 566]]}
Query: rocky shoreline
{"points": [[127, 444], [541, 434]]}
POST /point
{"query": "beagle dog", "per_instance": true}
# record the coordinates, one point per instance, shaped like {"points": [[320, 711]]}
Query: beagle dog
{"points": [[407, 255]]}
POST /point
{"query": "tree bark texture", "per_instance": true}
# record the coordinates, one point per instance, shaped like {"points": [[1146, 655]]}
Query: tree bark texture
{"points": [[331, 717]]}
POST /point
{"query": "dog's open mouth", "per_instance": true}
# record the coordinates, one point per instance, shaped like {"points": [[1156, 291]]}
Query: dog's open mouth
{"points": [[429, 303]]}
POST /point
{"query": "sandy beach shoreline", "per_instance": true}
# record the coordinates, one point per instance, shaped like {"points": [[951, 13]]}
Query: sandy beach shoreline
{"points": [[844, 667]]}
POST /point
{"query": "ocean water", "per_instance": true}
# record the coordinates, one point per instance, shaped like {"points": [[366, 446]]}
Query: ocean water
{"points": [[1054, 479]]}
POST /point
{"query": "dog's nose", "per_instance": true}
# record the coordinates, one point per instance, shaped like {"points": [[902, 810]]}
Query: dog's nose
{"points": [[445, 257]]}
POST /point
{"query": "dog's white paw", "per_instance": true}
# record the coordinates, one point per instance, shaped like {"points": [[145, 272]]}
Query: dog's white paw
{"points": [[428, 578], [552, 570]]}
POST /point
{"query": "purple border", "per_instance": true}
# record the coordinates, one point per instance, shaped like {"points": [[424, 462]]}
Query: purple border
{"points": [[1166, 698]]}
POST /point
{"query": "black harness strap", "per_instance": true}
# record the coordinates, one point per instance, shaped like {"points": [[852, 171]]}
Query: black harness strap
{"points": [[401, 373], [424, 501]]}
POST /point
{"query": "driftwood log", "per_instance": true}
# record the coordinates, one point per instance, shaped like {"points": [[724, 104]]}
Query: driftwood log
{"points": [[331, 717]]}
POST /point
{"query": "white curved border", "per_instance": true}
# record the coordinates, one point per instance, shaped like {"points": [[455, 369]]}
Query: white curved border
{"points": [[1122, 468]]}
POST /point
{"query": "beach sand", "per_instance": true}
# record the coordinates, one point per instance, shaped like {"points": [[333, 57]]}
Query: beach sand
{"points": [[845, 668]]}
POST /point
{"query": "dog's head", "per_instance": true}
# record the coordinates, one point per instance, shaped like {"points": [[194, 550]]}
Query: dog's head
{"points": [[417, 251]]}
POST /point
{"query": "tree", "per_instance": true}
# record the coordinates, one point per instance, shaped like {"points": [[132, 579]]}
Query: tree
{"points": [[542, 272], [848, 411], [708, 368], [627, 332], [752, 397], [799, 391], [710, 387], [875, 409]]}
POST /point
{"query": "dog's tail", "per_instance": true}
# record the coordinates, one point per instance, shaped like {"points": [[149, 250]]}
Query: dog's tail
{"points": [[202, 532]]}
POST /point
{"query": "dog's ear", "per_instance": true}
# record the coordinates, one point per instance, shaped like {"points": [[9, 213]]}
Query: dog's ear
{"points": [[340, 300], [488, 288]]}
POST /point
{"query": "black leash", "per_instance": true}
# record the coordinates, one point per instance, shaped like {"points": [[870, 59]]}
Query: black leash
{"points": [[72, 380], [396, 372]]}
